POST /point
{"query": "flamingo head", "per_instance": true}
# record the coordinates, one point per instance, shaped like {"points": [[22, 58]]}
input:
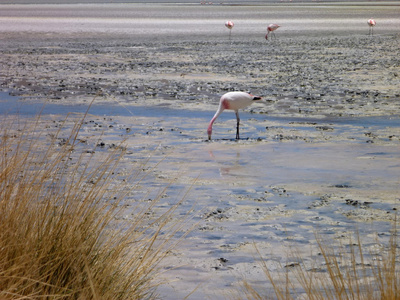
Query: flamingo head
{"points": [[266, 36], [209, 132]]}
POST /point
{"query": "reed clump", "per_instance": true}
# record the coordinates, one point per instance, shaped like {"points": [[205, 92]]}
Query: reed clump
{"points": [[60, 232], [346, 272]]}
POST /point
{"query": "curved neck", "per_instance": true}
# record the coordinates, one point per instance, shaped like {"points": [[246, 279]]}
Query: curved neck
{"points": [[219, 111]]}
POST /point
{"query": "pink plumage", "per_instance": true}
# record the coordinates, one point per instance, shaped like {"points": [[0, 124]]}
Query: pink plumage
{"points": [[229, 24], [271, 28], [371, 23], [233, 101]]}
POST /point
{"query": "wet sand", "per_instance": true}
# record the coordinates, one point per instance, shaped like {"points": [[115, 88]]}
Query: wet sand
{"points": [[319, 153]]}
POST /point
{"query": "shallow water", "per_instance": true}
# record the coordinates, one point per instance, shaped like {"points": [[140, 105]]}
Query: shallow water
{"points": [[287, 177], [266, 190]]}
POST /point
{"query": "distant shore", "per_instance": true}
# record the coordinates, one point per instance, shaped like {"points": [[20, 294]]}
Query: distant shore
{"points": [[191, 2]]}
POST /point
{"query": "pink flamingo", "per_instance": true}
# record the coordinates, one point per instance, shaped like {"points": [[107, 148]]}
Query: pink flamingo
{"points": [[371, 23], [229, 25], [234, 101], [271, 28]]}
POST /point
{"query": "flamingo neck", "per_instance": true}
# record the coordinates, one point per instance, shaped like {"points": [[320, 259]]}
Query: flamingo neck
{"points": [[209, 129], [219, 111]]}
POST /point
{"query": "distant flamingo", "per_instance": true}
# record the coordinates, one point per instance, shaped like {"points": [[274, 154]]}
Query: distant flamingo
{"points": [[371, 23], [234, 101], [271, 28], [229, 25]]}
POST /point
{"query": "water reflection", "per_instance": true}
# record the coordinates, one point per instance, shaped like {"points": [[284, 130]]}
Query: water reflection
{"points": [[228, 166]]}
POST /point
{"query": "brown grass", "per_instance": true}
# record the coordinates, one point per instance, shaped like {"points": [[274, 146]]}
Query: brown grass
{"points": [[60, 232], [347, 273]]}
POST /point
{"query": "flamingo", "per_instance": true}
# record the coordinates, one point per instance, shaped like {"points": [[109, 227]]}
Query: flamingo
{"points": [[234, 101], [371, 23], [271, 28], [229, 25]]}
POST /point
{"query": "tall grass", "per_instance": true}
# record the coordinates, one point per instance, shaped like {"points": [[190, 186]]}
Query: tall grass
{"points": [[346, 273], [60, 234]]}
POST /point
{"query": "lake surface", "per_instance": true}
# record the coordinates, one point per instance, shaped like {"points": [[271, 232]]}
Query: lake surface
{"points": [[158, 21], [288, 176]]}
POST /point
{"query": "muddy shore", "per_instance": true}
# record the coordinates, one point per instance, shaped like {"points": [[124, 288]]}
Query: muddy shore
{"points": [[319, 153]]}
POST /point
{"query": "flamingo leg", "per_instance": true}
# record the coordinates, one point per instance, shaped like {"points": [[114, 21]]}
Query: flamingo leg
{"points": [[237, 124]]}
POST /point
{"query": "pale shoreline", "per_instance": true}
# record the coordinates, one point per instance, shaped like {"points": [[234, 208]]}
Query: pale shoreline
{"points": [[226, 3]]}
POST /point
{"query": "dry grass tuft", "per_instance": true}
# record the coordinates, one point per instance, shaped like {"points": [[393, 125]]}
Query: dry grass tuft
{"points": [[59, 232], [347, 273]]}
